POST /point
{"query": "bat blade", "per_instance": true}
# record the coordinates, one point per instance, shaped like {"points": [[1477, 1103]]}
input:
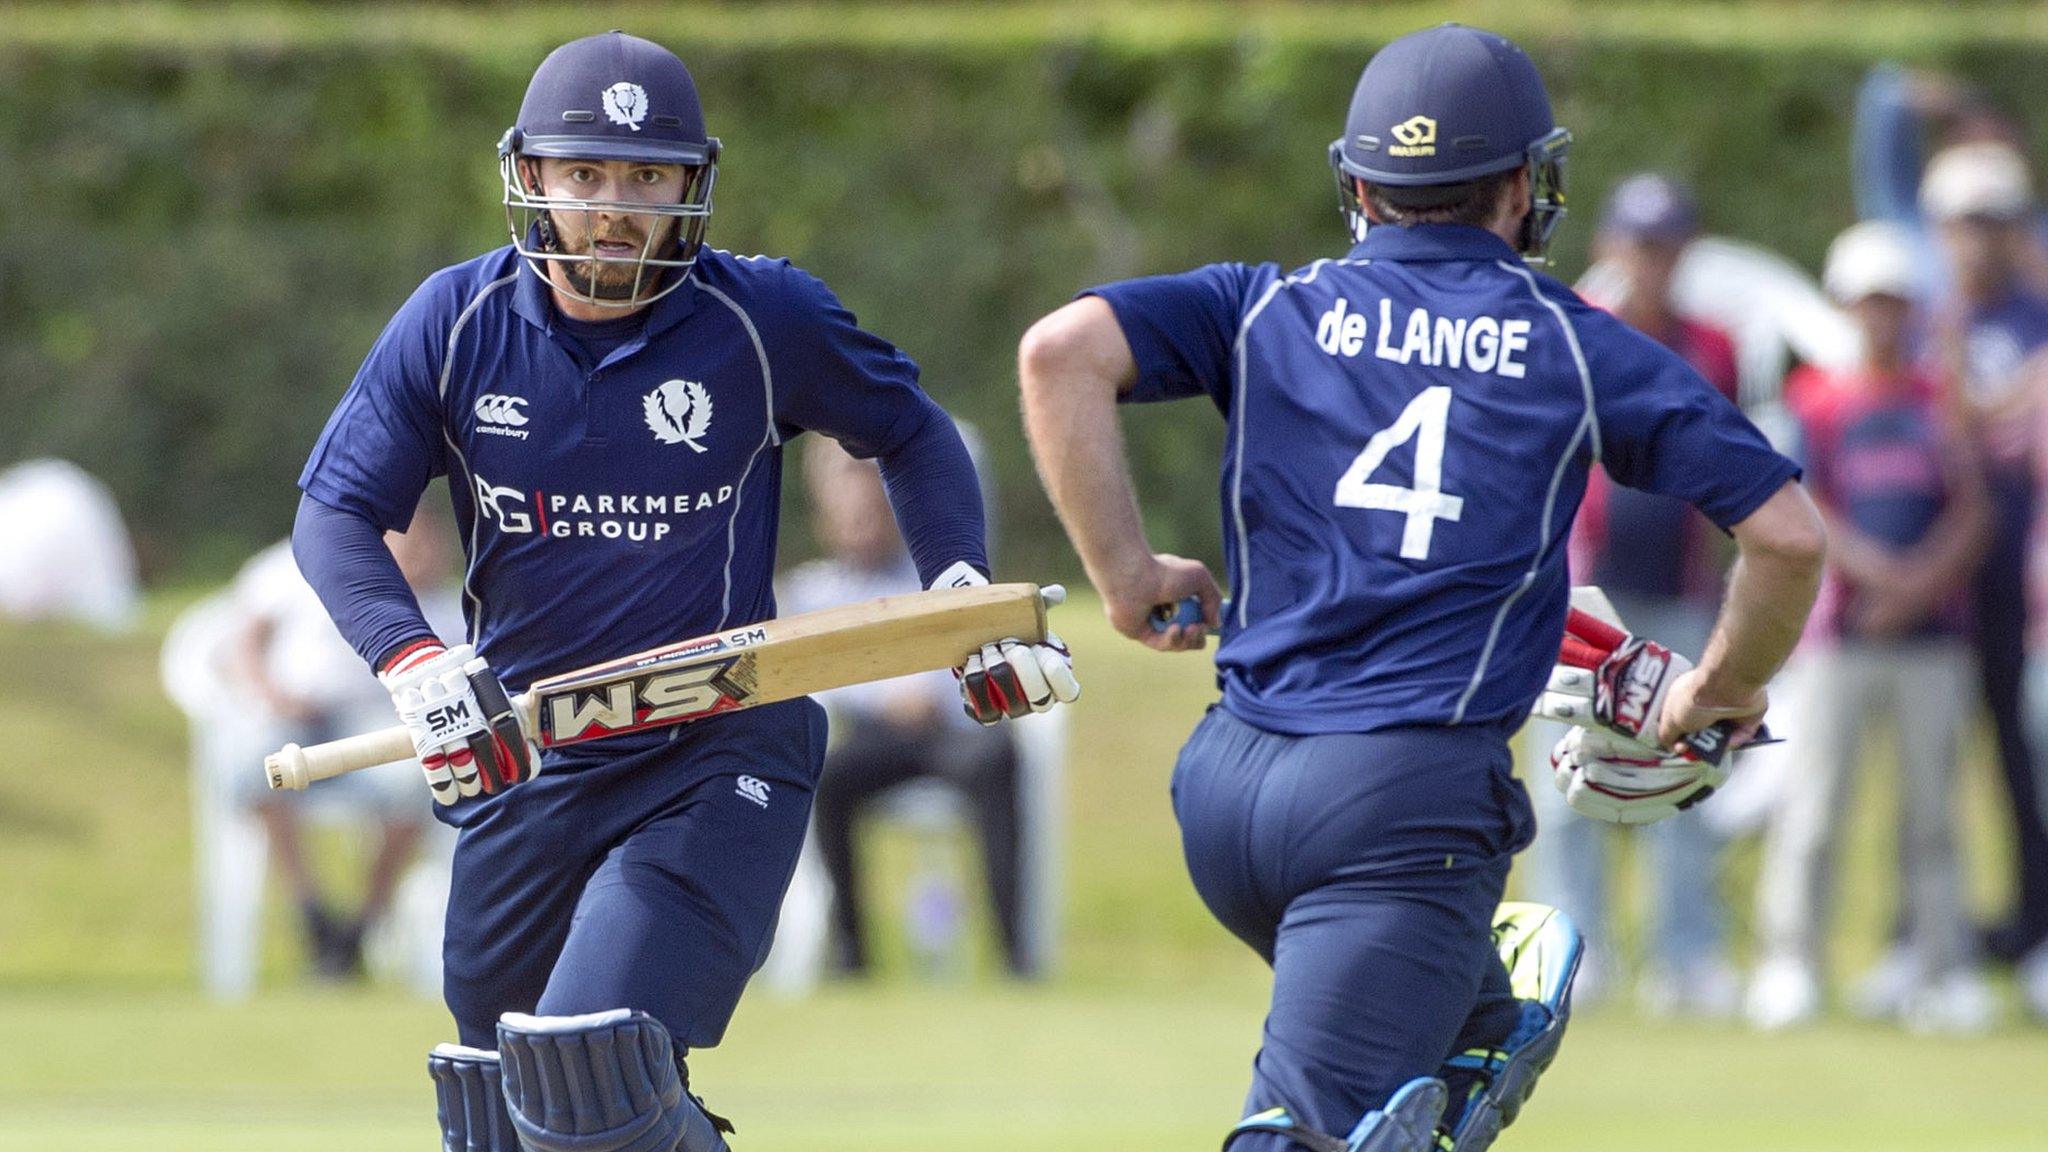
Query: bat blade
{"points": [[726, 671]]}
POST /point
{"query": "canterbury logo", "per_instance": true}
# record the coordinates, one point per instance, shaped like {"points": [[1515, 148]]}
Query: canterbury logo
{"points": [[753, 789], [492, 408]]}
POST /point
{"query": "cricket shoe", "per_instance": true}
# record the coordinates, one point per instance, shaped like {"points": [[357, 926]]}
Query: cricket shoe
{"points": [[1542, 949]]}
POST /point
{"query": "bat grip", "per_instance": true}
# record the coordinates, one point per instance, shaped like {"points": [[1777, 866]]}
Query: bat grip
{"points": [[292, 767]]}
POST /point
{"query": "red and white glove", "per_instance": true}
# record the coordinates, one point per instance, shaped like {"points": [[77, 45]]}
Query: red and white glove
{"points": [[463, 726], [1622, 781], [1608, 680], [1010, 677]]}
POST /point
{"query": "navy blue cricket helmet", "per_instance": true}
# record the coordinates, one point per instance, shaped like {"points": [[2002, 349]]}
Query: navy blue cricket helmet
{"points": [[610, 97], [1439, 109]]}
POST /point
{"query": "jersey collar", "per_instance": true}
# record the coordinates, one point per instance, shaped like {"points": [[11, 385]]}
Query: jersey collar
{"points": [[1421, 242]]}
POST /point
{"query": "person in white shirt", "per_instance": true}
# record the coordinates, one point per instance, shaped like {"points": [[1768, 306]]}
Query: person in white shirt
{"points": [[313, 688]]}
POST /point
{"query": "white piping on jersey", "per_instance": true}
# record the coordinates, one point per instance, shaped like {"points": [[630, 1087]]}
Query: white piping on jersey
{"points": [[769, 438], [1589, 425], [1241, 583], [476, 613], [1571, 339]]}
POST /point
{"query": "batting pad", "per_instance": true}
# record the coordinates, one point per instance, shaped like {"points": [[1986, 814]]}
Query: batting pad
{"points": [[605, 1082], [471, 1103]]}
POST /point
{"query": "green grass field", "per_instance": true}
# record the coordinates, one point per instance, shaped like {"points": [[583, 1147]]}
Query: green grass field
{"points": [[1141, 1043]]}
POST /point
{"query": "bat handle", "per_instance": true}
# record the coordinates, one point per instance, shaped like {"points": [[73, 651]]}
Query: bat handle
{"points": [[293, 767], [1187, 611]]}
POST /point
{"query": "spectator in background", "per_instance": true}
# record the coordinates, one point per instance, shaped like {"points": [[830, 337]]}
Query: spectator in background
{"points": [[1660, 563], [1979, 236], [1989, 340], [1902, 117], [315, 688], [1908, 519], [891, 732]]}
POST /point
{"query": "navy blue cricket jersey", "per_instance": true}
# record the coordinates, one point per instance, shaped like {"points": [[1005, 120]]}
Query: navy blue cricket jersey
{"points": [[619, 494], [1410, 429]]}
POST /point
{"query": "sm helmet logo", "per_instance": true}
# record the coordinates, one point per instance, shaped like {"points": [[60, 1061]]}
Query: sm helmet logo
{"points": [[1415, 136]]}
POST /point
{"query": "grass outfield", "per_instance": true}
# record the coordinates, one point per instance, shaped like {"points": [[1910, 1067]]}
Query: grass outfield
{"points": [[1142, 1043], [918, 1070]]}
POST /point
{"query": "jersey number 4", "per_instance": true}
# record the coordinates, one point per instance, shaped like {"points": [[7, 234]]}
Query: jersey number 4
{"points": [[1425, 503]]}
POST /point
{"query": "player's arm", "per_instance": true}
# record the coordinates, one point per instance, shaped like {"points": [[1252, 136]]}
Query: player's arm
{"points": [[1155, 338], [1781, 548], [1072, 366], [380, 448], [1664, 429]]}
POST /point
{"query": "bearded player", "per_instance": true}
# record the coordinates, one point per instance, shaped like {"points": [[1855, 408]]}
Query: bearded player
{"points": [[610, 400], [1409, 429]]}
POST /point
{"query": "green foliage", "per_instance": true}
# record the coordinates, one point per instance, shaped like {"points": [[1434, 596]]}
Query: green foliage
{"points": [[213, 211]]}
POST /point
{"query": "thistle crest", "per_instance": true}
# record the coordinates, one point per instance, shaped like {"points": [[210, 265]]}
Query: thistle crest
{"points": [[626, 103], [678, 412]]}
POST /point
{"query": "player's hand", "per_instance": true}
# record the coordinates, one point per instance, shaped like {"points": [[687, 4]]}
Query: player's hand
{"points": [[1166, 581], [1010, 677], [1689, 710], [1610, 680], [1621, 781], [462, 724]]}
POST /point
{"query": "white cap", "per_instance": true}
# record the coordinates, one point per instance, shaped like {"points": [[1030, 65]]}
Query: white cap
{"points": [[1983, 178], [1872, 258]]}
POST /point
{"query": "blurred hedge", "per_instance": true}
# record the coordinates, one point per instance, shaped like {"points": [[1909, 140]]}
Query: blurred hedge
{"points": [[210, 212]]}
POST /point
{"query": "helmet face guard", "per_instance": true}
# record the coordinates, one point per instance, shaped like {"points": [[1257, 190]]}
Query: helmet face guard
{"points": [[1544, 160], [663, 263]]}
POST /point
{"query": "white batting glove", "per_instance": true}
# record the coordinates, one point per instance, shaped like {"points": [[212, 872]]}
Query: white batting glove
{"points": [[1609, 679], [1621, 781], [1010, 677], [463, 726]]}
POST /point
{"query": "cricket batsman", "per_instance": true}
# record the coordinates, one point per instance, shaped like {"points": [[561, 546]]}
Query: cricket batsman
{"points": [[1409, 429], [610, 400]]}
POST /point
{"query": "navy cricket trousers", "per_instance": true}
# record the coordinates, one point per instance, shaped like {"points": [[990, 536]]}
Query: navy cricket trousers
{"points": [[648, 880], [1365, 868]]}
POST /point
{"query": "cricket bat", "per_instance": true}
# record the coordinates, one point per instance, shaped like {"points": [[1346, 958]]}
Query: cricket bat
{"points": [[726, 671]]}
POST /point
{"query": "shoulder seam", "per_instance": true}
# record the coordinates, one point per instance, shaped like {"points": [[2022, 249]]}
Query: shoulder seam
{"points": [[462, 321], [769, 438], [1240, 586], [476, 612], [1571, 337]]}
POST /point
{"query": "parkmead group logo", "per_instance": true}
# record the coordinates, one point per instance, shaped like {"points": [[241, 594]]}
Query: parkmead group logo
{"points": [[1416, 136], [626, 103], [678, 412]]}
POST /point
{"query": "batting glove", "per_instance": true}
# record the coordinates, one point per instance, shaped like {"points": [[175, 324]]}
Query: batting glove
{"points": [[1621, 781], [1010, 677], [463, 726]]}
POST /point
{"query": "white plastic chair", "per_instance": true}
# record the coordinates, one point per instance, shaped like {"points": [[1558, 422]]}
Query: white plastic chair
{"points": [[935, 810]]}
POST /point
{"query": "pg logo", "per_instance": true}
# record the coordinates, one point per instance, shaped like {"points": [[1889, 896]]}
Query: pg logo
{"points": [[1415, 136]]}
